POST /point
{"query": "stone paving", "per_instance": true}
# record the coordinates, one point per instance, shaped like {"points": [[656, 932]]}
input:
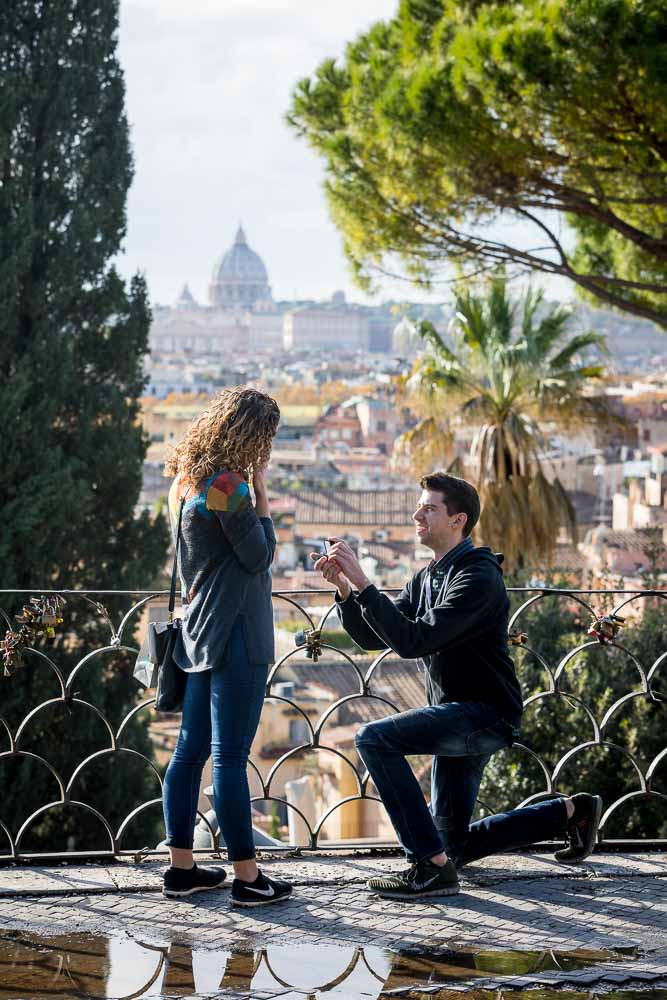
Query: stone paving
{"points": [[526, 901]]}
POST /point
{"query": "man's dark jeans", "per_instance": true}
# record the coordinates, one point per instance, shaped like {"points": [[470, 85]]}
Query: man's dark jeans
{"points": [[462, 737]]}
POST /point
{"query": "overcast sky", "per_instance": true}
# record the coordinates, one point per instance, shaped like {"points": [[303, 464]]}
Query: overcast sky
{"points": [[208, 86]]}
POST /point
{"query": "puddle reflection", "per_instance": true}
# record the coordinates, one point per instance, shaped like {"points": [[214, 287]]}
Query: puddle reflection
{"points": [[82, 966]]}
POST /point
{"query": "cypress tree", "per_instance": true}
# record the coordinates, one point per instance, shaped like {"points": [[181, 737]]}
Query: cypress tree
{"points": [[72, 337]]}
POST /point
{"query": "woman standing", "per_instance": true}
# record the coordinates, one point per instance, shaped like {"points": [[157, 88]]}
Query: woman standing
{"points": [[227, 547]]}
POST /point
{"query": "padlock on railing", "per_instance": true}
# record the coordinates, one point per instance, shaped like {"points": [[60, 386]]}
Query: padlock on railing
{"points": [[605, 628], [42, 616], [38, 620], [311, 638], [11, 650], [517, 637]]}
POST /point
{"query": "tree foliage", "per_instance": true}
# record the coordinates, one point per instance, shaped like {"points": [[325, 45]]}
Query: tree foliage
{"points": [[456, 114], [596, 677], [511, 367], [72, 340]]}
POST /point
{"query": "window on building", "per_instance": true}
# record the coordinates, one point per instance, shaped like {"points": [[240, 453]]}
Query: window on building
{"points": [[298, 732]]}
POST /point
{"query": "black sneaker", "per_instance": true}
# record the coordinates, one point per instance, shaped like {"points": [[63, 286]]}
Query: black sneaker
{"points": [[582, 828], [394, 878], [179, 882], [261, 892], [422, 879]]}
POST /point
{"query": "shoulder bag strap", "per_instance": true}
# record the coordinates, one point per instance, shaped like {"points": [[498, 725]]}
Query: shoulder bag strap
{"points": [[174, 571]]}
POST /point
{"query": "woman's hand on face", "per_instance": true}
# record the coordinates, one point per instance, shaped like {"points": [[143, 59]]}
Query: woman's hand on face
{"points": [[259, 480], [261, 495]]}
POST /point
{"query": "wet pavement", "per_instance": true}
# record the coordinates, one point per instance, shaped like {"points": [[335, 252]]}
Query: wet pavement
{"points": [[520, 923], [80, 965]]}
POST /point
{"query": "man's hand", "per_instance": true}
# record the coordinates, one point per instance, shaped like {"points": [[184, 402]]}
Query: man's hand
{"points": [[331, 572], [349, 564]]}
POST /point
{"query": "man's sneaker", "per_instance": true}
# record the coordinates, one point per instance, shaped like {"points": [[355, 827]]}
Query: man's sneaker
{"points": [[179, 882], [397, 879], [582, 828], [260, 892], [422, 879]]}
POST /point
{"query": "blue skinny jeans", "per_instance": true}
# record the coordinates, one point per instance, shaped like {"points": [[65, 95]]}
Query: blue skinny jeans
{"points": [[462, 737], [221, 711]]}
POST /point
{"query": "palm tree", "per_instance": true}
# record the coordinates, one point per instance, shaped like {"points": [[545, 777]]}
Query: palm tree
{"points": [[512, 368]]}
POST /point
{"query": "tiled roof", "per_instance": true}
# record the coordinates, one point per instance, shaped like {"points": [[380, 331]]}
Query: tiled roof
{"points": [[398, 681], [632, 541], [568, 557], [390, 552], [379, 508]]}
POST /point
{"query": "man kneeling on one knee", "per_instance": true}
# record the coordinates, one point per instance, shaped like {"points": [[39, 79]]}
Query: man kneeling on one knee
{"points": [[453, 617]]}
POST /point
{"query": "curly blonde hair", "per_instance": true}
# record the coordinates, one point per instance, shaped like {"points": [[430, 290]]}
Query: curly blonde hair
{"points": [[235, 433]]}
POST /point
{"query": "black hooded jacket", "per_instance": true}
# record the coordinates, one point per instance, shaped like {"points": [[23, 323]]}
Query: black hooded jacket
{"points": [[461, 640]]}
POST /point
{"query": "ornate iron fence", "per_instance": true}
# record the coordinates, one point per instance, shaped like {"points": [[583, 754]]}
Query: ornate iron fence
{"points": [[318, 688]]}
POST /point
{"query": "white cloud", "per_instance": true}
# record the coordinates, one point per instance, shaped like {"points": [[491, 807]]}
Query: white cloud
{"points": [[208, 86]]}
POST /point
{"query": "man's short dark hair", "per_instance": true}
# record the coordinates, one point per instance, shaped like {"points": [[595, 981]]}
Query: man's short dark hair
{"points": [[458, 496]]}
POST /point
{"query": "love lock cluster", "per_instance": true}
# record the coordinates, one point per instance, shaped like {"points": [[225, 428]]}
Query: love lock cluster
{"points": [[605, 628], [311, 638], [38, 620]]}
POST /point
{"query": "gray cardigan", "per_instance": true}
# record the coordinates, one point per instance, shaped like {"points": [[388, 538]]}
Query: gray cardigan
{"points": [[225, 557]]}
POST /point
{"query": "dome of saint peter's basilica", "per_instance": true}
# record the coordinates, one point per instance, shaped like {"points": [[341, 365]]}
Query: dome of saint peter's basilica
{"points": [[240, 279]]}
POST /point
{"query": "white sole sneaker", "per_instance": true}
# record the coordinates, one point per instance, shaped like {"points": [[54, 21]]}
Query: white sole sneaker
{"points": [[415, 897], [247, 904], [180, 893]]}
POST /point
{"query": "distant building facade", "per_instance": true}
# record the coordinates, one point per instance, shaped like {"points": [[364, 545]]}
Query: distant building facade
{"points": [[241, 317], [333, 326], [339, 425], [359, 422], [643, 503]]}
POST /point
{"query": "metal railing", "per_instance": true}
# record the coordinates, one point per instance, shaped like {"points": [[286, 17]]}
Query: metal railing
{"points": [[311, 718]]}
